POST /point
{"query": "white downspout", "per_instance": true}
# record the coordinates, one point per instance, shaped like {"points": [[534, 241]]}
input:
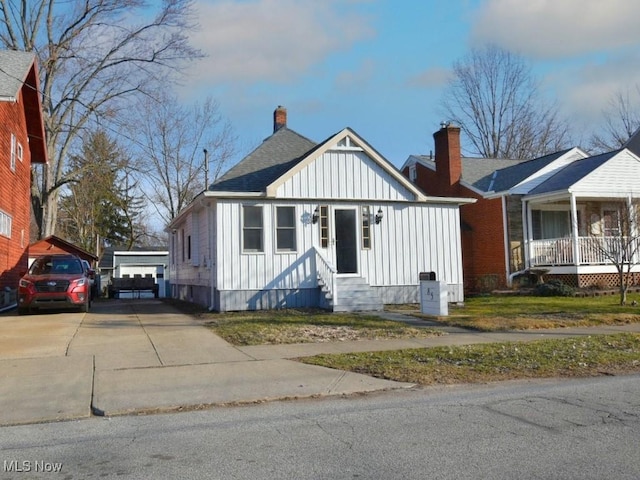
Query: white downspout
{"points": [[507, 246], [213, 259]]}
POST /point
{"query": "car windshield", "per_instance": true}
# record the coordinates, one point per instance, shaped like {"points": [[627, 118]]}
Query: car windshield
{"points": [[60, 266]]}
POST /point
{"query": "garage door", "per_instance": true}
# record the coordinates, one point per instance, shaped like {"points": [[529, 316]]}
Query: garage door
{"points": [[156, 271]]}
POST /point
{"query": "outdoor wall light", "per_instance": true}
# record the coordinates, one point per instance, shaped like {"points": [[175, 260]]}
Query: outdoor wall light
{"points": [[379, 216], [315, 216]]}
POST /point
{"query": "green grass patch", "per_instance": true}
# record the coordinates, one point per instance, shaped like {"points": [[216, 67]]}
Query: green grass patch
{"points": [[499, 313], [574, 357]]}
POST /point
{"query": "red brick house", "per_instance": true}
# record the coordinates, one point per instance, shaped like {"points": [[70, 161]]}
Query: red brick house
{"points": [[22, 142], [551, 214]]}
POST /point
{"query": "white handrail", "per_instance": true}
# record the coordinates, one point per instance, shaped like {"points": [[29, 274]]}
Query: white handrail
{"points": [[328, 274]]}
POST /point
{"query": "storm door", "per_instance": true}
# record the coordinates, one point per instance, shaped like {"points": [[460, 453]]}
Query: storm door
{"points": [[346, 246]]}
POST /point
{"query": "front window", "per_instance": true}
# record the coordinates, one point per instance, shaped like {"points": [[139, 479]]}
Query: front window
{"points": [[286, 229], [252, 229]]}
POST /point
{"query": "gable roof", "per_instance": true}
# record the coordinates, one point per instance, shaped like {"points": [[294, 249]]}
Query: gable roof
{"points": [[56, 245], [276, 155], [18, 72], [474, 169], [633, 143], [332, 142], [507, 178], [14, 68], [572, 173]]}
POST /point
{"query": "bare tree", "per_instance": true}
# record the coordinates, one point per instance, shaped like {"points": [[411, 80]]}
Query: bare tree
{"points": [[621, 120], [620, 244], [92, 54], [494, 98], [175, 138]]}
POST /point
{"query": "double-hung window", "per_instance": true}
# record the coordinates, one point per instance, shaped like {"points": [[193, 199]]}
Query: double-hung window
{"points": [[286, 229], [5, 224], [252, 229]]}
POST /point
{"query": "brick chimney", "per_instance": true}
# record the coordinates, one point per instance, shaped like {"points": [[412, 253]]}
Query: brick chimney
{"points": [[448, 159], [279, 118]]}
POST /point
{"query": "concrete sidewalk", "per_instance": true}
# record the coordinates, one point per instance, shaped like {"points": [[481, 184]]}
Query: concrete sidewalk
{"points": [[142, 355]]}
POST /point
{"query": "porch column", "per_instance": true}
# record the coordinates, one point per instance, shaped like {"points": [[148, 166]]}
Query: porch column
{"points": [[526, 237], [574, 231]]}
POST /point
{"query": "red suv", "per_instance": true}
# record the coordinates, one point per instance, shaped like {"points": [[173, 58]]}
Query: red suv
{"points": [[54, 281]]}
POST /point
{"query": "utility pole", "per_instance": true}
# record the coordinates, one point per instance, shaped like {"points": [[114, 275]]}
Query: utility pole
{"points": [[206, 169]]}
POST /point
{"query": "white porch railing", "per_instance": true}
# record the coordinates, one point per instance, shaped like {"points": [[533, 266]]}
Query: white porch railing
{"points": [[327, 274], [591, 250]]}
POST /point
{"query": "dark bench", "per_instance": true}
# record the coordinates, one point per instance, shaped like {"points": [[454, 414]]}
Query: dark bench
{"points": [[135, 284]]}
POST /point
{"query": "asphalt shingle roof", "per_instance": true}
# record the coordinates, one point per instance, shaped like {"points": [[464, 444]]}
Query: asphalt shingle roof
{"points": [[508, 177], [274, 157], [14, 67], [572, 173]]}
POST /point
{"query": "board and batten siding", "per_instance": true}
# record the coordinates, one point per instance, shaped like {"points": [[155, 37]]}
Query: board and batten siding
{"points": [[346, 175], [238, 270], [412, 238]]}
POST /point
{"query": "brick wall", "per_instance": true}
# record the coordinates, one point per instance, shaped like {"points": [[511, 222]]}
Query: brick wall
{"points": [[482, 232]]}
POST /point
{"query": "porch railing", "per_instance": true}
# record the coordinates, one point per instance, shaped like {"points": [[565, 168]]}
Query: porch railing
{"points": [[327, 275], [591, 250]]}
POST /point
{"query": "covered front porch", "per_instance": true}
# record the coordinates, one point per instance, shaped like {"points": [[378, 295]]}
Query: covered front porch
{"points": [[583, 238]]}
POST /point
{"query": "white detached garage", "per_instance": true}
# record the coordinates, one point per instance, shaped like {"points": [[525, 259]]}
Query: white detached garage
{"points": [[300, 224]]}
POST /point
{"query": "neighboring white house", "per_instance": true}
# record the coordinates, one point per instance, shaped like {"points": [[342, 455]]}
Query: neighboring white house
{"points": [[300, 224]]}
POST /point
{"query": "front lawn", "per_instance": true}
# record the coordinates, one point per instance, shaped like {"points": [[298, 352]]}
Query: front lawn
{"points": [[500, 313], [571, 357]]}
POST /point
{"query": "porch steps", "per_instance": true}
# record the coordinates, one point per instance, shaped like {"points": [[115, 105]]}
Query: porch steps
{"points": [[354, 295]]}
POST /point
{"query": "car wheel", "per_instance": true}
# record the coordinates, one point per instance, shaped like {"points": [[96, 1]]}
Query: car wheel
{"points": [[23, 311]]}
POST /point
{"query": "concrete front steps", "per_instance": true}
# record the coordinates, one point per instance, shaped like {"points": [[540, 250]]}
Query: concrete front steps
{"points": [[355, 295]]}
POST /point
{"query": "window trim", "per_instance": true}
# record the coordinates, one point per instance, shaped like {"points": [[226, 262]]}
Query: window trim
{"points": [[365, 228], [6, 224], [244, 228], [323, 229], [277, 228], [13, 154]]}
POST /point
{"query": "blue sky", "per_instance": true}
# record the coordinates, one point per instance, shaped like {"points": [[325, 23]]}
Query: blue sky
{"points": [[381, 66]]}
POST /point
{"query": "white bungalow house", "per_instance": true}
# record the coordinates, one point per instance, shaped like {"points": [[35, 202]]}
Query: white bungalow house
{"points": [[299, 224]]}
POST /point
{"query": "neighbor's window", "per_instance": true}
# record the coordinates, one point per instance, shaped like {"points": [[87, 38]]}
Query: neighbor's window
{"points": [[324, 226], [366, 228], [611, 223], [12, 165], [286, 229], [188, 247], [252, 229], [5, 224]]}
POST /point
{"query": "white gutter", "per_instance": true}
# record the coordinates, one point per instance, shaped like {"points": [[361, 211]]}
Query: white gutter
{"points": [[505, 239]]}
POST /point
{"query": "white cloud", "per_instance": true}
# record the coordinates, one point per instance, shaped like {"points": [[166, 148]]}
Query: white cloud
{"points": [[557, 28], [433, 77], [588, 89], [271, 40]]}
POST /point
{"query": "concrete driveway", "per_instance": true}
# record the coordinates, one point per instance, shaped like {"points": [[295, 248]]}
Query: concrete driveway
{"points": [[128, 356]]}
